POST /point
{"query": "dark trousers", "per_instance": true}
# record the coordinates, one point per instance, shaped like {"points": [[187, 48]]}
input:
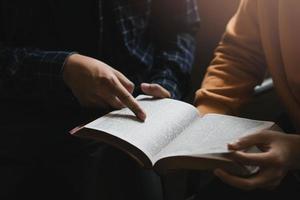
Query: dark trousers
{"points": [[40, 160], [106, 173]]}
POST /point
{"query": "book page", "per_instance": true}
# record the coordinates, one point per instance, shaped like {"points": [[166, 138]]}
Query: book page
{"points": [[211, 134], [166, 119]]}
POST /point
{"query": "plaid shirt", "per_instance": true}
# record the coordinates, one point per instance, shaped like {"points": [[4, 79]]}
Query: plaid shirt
{"points": [[36, 72]]}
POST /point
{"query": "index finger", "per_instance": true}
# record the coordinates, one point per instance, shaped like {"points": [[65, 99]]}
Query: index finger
{"points": [[249, 141], [128, 100], [256, 159]]}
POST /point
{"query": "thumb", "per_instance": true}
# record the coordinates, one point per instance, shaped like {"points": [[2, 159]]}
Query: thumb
{"points": [[155, 90], [249, 141]]}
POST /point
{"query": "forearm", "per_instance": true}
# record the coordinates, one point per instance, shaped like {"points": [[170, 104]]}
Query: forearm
{"points": [[238, 66], [31, 73]]}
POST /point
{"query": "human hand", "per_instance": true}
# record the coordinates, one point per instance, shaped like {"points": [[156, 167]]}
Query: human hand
{"points": [[155, 90], [96, 84], [280, 153]]}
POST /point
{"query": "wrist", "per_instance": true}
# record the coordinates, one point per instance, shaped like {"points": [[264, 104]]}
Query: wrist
{"points": [[69, 62]]}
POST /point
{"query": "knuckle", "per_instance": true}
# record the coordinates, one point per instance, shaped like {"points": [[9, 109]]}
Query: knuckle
{"points": [[107, 79], [117, 105], [131, 85], [155, 86], [125, 97]]}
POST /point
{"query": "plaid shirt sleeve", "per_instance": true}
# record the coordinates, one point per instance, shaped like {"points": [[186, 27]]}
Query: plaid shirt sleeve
{"points": [[173, 62], [31, 73]]}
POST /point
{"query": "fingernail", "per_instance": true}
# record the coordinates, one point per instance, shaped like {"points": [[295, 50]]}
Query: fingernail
{"points": [[132, 84], [131, 89], [235, 143], [142, 116]]}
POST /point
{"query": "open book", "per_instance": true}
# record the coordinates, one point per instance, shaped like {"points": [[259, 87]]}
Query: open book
{"points": [[174, 136]]}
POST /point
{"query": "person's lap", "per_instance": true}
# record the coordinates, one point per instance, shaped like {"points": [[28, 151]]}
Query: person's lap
{"points": [[289, 187], [40, 160], [78, 170]]}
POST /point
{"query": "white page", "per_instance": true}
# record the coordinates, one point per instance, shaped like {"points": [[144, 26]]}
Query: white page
{"points": [[211, 134], [166, 119]]}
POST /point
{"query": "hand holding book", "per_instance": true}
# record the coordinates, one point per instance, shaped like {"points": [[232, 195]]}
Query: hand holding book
{"points": [[279, 154]]}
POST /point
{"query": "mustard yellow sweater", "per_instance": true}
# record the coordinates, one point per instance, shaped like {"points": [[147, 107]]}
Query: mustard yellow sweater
{"points": [[263, 34]]}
